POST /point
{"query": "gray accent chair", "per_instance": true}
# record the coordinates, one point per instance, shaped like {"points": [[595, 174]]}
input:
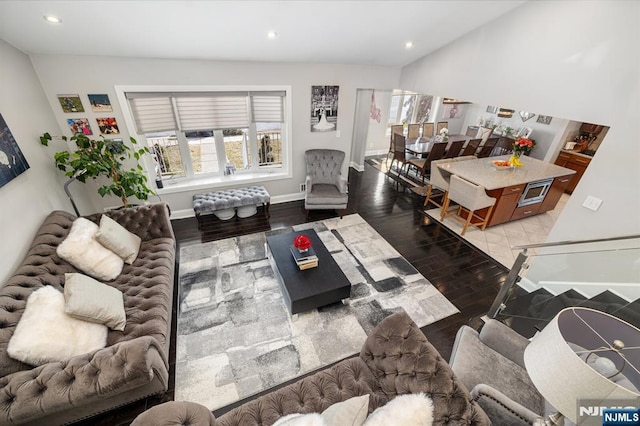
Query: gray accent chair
{"points": [[491, 364], [326, 188]]}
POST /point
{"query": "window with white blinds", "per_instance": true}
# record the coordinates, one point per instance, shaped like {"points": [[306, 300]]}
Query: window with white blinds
{"points": [[198, 134], [198, 111]]}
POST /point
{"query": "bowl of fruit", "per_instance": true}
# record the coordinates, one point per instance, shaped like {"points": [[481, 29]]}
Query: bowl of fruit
{"points": [[501, 164]]}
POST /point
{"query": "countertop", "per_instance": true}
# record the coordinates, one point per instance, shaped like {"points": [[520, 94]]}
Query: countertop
{"points": [[578, 153], [482, 172]]}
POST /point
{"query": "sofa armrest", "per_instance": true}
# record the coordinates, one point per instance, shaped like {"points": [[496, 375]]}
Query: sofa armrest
{"points": [[403, 361], [504, 340], [308, 183], [81, 381], [148, 221], [343, 185], [501, 409], [176, 413]]}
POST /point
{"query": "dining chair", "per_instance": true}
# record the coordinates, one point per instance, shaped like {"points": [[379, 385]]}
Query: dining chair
{"points": [[427, 130], [503, 147], [484, 133], [395, 129], [470, 198], [471, 148], [399, 151], [487, 147], [454, 149], [472, 131], [442, 125], [439, 180], [423, 165], [413, 131]]}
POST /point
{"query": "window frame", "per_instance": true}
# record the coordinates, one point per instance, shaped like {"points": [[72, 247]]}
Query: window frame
{"points": [[211, 180]]}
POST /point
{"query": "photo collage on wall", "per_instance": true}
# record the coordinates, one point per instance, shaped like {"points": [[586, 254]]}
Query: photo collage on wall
{"points": [[324, 108], [100, 103], [12, 161]]}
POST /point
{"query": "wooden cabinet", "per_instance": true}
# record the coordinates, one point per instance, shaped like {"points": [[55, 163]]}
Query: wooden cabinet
{"points": [[591, 128], [526, 211], [575, 162], [555, 192], [507, 199]]}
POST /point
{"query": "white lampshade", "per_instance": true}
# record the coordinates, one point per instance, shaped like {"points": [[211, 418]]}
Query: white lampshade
{"points": [[563, 378]]}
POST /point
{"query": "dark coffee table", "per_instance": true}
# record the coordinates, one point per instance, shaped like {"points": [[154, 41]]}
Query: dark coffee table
{"points": [[310, 288]]}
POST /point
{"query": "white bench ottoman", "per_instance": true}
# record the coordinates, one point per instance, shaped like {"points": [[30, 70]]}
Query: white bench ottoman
{"points": [[224, 203]]}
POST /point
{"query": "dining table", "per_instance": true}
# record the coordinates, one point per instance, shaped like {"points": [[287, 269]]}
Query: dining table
{"points": [[422, 146]]}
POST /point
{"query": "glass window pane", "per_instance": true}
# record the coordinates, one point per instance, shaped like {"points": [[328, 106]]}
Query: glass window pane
{"points": [[202, 147], [269, 137], [393, 110], [165, 149], [236, 147]]}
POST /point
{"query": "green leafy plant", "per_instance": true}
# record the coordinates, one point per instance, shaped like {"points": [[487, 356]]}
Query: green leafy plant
{"points": [[104, 157]]}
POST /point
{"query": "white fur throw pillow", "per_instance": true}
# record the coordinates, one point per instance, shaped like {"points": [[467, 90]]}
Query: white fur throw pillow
{"points": [[81, 249], [46, 334], [405, 410], [313, 419]]}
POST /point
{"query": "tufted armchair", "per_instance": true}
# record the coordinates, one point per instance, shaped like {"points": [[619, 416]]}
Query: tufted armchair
{"points": [[326, 188], [134, 364], [395, 359]]}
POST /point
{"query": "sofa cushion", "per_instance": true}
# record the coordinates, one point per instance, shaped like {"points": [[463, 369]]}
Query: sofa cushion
{"points": [[89, 300], [404, 410], [46, 334], [116, 238], [83, 251]]}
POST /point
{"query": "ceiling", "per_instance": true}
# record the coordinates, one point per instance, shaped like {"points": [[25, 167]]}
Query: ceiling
{"points": [[346, 32]]}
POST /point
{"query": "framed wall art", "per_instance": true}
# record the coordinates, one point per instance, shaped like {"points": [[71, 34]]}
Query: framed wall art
{"points": [[492, 109], [505, 113], [100, 103], [324, 108], [12, 161], [79, 125], [544, 119], [108, 126], [70, 103]]}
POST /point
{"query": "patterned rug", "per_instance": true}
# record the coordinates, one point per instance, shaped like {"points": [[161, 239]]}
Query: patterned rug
{"points": [[235, 335]]}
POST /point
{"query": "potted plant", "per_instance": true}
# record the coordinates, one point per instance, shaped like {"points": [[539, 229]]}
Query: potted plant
{"points": [[104, 157]]}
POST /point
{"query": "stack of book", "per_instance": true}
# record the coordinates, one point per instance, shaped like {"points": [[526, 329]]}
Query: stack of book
{"points": [[304, 260]]}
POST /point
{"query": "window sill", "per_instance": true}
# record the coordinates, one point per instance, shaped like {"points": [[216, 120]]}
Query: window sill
{"points": [[213, 182]]}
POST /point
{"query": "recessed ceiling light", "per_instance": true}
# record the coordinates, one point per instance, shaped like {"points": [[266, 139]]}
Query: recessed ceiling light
{"points": [[272, 34], [52, 19], [408, 45]]}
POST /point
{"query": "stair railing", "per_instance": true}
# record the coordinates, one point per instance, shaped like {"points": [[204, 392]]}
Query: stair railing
{"points": [[522, 263]]}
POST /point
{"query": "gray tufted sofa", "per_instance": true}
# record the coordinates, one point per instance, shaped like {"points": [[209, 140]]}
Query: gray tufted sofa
{"points": [[395, 359], [135, 362], [326, 188]]}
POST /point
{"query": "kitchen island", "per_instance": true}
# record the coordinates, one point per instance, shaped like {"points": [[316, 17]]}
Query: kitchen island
{"points": [[520, 192]]}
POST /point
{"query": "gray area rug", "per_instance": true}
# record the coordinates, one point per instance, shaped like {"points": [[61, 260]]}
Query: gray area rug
{"points": [[235, 335]]}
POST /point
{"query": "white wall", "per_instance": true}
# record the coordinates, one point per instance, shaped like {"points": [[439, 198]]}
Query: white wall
{"points": [[581, 63], [26, 200], [83, 75]]}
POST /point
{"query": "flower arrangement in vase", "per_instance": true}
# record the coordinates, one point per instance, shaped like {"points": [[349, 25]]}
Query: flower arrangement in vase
{"points": [[302, 243], [444, 134], [520, 146]]}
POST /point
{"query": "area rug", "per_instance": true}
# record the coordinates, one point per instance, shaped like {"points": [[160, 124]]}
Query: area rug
{"points": [[235, 335]]}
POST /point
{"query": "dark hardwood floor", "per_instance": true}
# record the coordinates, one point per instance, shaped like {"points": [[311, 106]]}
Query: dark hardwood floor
{"points": [[465, 275]]}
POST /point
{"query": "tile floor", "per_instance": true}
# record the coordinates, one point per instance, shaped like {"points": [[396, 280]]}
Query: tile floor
{"points": [[497, 240]]}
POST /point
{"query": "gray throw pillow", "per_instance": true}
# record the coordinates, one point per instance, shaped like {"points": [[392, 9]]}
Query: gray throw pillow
{"points": [[93, 301], [116, 238]]}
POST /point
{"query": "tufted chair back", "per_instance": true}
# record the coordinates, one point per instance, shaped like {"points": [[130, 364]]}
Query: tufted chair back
{"points": [[324, 165]]}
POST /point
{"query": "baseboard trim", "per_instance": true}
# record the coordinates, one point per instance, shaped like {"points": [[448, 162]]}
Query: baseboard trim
{"points": [[376, 152], [357, 167], [187, 213]]}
